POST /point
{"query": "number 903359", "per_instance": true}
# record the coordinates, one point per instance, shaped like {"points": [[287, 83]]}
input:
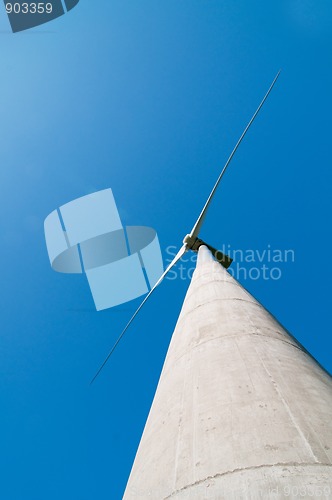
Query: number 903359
{"points": [[29, 8]]}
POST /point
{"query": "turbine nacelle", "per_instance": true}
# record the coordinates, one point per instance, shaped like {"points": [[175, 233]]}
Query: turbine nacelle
{"points": [[193, 243]]}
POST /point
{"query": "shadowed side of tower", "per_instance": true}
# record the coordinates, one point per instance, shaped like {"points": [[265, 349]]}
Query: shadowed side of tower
{"points": [[241, 410]]}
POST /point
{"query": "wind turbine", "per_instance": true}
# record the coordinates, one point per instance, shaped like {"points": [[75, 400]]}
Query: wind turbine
{"points": [[241, 410], [191, 240]]}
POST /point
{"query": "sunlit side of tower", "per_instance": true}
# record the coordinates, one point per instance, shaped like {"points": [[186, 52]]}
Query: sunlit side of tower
{"points": [[241, 411]]}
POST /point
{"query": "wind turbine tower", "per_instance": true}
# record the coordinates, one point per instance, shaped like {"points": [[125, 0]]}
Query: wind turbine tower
{"points": [[241, 411]]}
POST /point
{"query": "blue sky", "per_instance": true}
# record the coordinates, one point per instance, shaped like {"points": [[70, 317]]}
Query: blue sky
{"points": [[149, 98]]}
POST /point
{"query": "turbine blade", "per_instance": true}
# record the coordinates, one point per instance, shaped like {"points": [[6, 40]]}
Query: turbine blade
{"points": [[178, 256], [199, 222]]}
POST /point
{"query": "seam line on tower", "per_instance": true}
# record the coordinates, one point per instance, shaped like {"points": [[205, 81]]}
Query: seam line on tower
{"points": [[237, 336], [254, 467]]}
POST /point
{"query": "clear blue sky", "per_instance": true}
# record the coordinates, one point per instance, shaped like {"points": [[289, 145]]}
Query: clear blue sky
{"points": [[149, 98]]}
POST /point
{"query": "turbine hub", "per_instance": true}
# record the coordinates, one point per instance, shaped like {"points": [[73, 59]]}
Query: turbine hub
{"points": [[189, 241], [192, 242]]}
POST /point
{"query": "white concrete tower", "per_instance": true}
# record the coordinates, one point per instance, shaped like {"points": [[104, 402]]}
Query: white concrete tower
{"points": [[241, 411]]}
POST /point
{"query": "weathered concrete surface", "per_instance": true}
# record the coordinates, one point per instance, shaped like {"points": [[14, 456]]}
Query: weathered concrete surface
{"points": [[241, 411]]}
